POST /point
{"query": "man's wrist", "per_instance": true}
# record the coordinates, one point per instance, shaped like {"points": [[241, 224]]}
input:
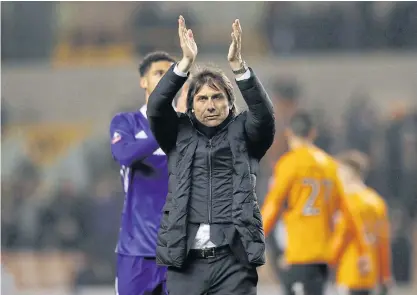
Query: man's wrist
{"points": [[240, 70], [179, 73], [185, 65], [386, 281], [245, 76], [237, 65]]}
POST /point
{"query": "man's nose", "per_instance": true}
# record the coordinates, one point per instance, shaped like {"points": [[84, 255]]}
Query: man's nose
{"points": [[210, 106]]}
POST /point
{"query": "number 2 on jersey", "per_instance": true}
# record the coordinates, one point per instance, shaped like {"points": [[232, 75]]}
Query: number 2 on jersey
{"points": [[318, 187]]}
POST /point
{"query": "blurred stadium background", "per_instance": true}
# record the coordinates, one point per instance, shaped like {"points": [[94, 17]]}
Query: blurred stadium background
{"points": [[68, 67]]}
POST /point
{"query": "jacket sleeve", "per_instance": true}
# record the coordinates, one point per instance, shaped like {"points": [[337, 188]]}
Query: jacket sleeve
{"points": [[284, 175], [260, 122], [125, 148], [162, 117]]}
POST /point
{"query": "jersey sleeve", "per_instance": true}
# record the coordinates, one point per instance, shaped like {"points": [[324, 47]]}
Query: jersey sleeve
{"points": [[339, 239], [125, 147], [284, 175], [384, 246], [353, 220]]}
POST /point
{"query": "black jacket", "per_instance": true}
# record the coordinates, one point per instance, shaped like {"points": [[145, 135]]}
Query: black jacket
{"points": [[246, 138]]}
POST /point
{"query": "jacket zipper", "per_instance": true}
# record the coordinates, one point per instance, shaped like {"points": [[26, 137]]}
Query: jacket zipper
{"points": [[209, 160], [210, 180]]}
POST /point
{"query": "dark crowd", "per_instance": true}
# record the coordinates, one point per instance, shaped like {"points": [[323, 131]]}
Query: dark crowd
{"points": [[66, 218]]}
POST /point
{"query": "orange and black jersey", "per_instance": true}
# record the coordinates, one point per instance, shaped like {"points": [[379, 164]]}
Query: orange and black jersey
{"points": [[308, 190], [372, 209]]}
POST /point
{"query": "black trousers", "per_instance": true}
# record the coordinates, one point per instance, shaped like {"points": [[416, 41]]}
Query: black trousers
{"points": [[220, 275], [307, 279]]}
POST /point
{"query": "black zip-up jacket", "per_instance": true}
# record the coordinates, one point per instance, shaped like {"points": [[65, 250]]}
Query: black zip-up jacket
{"points": [[233, 156]]}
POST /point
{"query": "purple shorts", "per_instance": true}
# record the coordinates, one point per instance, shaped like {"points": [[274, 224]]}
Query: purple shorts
{"points": [[139, 276]]}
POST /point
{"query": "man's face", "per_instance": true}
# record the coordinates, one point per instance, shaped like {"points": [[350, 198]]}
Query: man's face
{"points": [[211, 106], [154, 75]]}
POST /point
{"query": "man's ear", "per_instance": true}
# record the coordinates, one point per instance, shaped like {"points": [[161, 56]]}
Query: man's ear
{"points": [[143, 83]]}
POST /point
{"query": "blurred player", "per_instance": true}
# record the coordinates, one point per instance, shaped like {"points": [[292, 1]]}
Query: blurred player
{"points": [[373, 212], [307, 191], [145, 179]]}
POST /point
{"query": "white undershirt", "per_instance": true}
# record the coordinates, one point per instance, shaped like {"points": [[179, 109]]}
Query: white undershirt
{"points": [[202, 238]]}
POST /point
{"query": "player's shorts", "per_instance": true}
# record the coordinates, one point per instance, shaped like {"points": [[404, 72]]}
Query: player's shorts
{"points": [[308, 279], [139, 276], [341, 290], [360, 292]]}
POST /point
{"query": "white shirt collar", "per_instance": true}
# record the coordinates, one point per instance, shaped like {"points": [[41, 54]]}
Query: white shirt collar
{"points": [[143, 110]]}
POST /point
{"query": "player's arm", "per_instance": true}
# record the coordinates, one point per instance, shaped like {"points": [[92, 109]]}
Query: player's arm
{"points": [[353, 221], [339, 240], [384, 247], [355, 225], [125, 148], [284, 176]]}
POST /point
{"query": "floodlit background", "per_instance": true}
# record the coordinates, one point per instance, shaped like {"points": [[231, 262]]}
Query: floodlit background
{"points": [[68, 67]]}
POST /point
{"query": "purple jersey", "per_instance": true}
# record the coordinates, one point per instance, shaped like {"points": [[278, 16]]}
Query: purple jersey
{"points": [[145, 180]]}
